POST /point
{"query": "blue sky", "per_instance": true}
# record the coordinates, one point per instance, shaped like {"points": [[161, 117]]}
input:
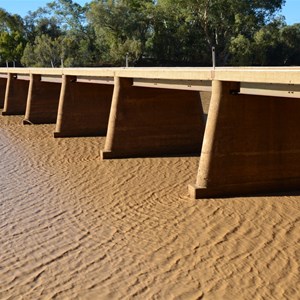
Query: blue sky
{"points": [[291, 10], [21, 7]]}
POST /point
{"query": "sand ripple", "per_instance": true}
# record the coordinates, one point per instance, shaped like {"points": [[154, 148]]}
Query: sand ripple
{"points": [[74, 227]]}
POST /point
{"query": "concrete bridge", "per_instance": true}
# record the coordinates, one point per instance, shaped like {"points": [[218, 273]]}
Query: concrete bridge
{"points": [[249, 144]]}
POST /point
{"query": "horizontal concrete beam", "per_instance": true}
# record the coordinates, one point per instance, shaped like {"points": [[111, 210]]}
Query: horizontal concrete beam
{"points": [[189, 85], [270, 89], [22, 77], [166, 73], [15, 70], [51, 78], [259, 75], [282, 75], [83, 79], [99, 72], [94, 79]]}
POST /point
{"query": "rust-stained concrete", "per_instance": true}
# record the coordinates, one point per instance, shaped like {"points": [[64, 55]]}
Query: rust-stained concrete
{"points": [[251, 144], [153, 122], [42, 101], [83, 108], [15, 95]]}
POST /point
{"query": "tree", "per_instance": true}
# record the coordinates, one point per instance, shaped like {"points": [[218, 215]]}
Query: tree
{"points": [[155, 32], [122, 26], [79, 47], [268, 45], [177, 39], [241, 51], [290, 37], [63, 22], [12, 42], [45, 52], [221, 22]]}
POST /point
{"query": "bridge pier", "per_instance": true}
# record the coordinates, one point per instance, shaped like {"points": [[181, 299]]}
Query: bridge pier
{"points": [[15, 95], [3, 83], [153, 122], [42, 101], [83, 108], [251, 144]]}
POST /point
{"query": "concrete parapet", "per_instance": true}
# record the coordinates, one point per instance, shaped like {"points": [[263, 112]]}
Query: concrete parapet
{"points": [[251, 144], [83, 108], [153, 122], [15, 95], [3, 83], [42, 101]]}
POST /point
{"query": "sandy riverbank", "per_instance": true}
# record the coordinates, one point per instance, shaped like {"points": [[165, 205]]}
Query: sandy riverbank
{"points": [[75, 227]]}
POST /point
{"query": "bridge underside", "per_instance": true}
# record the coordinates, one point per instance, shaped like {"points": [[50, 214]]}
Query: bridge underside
{"points": [[15, 96], [42, 102], [83, 108], [153, 122], [251, 145], [3, 82]]}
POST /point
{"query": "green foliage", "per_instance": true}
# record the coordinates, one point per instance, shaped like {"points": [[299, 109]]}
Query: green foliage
{"points": [[62, 25], [240, 49], [11, 46], [12, 42], [155, 32], [218, 23], [45, 52], [290, 37], [121, 27]]}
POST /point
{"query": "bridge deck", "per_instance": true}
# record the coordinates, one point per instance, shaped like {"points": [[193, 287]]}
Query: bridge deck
{"points": [[283, 75]]}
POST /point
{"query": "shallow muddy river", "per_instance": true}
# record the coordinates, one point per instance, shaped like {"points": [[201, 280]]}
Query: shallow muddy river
{"points": [[75, 227]]}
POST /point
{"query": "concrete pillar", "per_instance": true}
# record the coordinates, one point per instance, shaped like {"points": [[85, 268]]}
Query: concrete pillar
{"points": [[42, 101], [15, 96], [153, 122], [251, 144], [83, 108], [3, 82]]}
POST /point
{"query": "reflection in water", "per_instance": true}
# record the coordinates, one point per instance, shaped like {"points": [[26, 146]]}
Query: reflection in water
{"points": [[75, 227]]}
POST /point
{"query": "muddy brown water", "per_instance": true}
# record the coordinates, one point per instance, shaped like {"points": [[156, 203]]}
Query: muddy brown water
{"points": [[75, 227]]}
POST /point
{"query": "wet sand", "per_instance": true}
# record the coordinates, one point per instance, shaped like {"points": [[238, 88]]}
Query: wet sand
{"points": [[75, 227]]}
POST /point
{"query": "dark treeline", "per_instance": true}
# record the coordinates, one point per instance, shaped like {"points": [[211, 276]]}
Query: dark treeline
{"points": [[162, 32]]}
